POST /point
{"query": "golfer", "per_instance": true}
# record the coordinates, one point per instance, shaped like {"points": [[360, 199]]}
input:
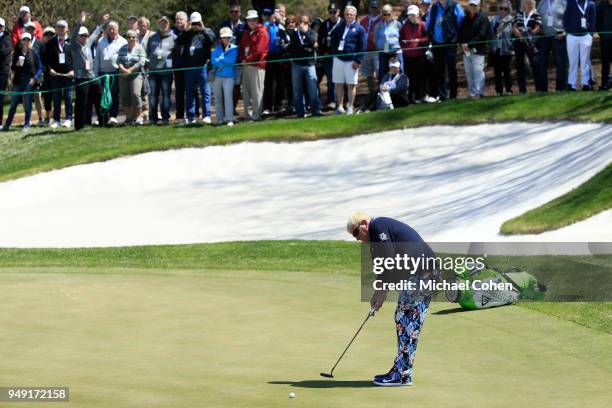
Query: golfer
{"points": [[387, 238]]}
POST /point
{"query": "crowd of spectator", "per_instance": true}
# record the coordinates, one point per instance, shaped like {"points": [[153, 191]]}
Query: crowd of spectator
{"points": [[275, 61]]}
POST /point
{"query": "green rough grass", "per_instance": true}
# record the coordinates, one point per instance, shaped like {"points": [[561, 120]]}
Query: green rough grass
{"points": [[128, 338], [47, 149], [588, 199], [337, 258]]}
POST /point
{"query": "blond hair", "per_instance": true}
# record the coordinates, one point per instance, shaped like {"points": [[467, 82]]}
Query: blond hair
{"points": [[355, 219]]}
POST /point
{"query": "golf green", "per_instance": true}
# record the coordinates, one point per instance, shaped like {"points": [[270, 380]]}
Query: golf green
{"points": [[201, 338]]}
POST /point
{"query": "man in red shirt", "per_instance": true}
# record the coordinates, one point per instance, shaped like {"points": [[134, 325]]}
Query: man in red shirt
{"points": [[253, 51]]}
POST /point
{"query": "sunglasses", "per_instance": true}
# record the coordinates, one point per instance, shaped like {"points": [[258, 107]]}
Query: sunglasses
{"points": [[234, 11], [332, 11], [26, 39], [356, 232], [386, 14], [83, 35], [131, 37], [504, 8]]}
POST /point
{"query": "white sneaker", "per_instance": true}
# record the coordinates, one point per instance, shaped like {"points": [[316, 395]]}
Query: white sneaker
{"points": [[67, 123], [139, 121], [55, 125], [113, 121], [207, 120], [26, 129], [429, 99], [95, 122], [340, 111], [349, 111], [230, 124]]}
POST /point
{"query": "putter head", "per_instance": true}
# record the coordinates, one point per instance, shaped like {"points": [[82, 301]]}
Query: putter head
{"points": [[327, 375]]}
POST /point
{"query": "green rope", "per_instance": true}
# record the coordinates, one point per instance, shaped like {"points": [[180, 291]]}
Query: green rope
{"points": [[109, 77]]}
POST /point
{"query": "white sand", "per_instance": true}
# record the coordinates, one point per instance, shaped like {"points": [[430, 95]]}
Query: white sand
{"points": [[450, 183]]}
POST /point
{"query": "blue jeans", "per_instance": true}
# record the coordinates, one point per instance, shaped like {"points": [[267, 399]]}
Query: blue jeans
{"points": [[27, 103], [328, 64], [62, 87], [159, 82], [301, 74], [559, 50], [199, 78]]}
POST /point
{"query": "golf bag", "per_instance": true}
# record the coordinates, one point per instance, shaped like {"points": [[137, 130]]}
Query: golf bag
{"points": [[524, 286]]}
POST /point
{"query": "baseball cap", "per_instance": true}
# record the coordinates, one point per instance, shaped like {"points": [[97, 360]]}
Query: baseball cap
{"points": [[267, 12], [332, 7], [132, 18], [226, 32], [395, 63], [195, 17], [251, 14], [427, 1], [61, 23], [24, 9], [474, 2], [2, 22], [163, 18], [83, 30], [412, 9], [49, 30], [374, 4], [29, 24], [26, 35]]}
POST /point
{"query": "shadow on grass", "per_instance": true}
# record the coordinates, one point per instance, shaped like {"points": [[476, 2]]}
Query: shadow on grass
{"points": [[325, 384], [451, 311]]}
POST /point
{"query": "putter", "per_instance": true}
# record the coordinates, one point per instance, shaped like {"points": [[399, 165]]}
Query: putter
{"points": [[331, 373]]}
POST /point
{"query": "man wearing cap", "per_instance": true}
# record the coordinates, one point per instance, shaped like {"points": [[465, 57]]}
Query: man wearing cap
{"points": [[6, 49], [253, 52], [58, 66], [326, 31], [349, 43], [224, 59], [160, 52], [197, 43], [473, 34], [82, 64], [369, 67], [132, 23], [395, 84], [443, 29], [38, 46], [105, 63], [260, 5], [18, 27]]}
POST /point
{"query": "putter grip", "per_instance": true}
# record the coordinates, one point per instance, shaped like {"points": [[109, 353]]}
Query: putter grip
{"points": [[372, 312]]}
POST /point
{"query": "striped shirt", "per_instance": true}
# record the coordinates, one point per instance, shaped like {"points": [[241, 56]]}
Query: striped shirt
{"points": [[527, 21]]}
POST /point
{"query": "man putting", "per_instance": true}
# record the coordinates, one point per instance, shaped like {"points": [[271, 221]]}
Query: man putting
{"points": [[387, 239]]}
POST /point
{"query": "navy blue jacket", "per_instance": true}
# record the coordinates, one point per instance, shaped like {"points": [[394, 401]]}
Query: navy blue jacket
{"points": [[573, 15], [389, 237], [355, 42]]}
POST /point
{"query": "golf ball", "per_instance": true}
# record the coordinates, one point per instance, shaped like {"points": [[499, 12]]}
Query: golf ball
{"points": [[292, 395]]}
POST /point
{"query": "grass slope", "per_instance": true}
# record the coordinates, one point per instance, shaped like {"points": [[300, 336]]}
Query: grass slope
{"points": [[335, 258], [46, 150], [583, 202]]}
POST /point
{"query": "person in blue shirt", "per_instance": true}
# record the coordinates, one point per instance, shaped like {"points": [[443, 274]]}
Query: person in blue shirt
{"points": [[387, 238], [27, 69], [443, 25], [348, 45], [386, 37], [579, 23], [223, 61]]}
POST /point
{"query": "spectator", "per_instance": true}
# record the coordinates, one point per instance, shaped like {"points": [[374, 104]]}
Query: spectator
{"points": [[443, 28], [604, 27], [160, 51], [502, 48], [349, 43], [18, 27], [552, 39], [224, 58], [273, 83], [197, 43], [527, 24], [131, 60], [6, 50], [369, 67], [579, 23], [37, 45], [132, 24], [59, 68], [95, 94], [253, 52], [144, 33], [291, 23], [82, 64], [282, 12], [393, 87], [302, 52], [387, 33], [261, 5], [413, 39], [181, 24], [328, 28], [47, 93], [428, 81], [27, 69], [238, 26], [473, 34], [105, 63], [404, 4]]}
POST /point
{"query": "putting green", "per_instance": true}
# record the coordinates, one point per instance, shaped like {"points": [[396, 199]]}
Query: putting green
{"points": [[192, 338]]}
